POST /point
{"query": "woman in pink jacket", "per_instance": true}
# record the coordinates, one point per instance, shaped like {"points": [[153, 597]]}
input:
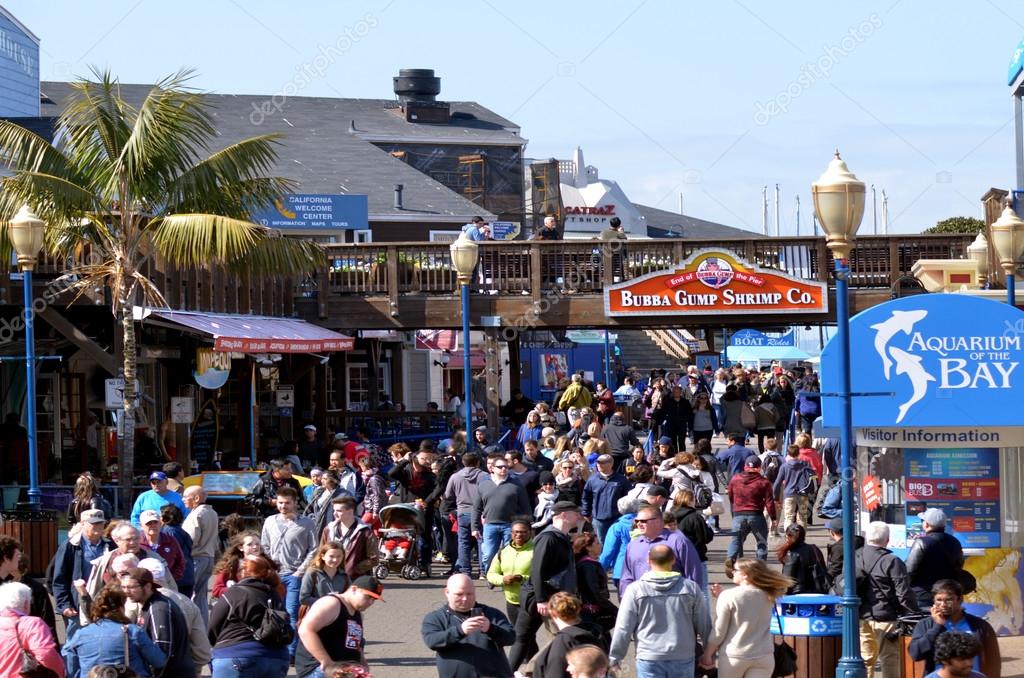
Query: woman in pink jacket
{"points": [[19, 630]]}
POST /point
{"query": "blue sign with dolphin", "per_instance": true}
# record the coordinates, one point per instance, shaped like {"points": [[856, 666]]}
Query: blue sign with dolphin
{"points": [[946, 360]]}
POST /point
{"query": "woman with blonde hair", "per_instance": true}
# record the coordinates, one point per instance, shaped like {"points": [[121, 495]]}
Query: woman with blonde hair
{"points": [[742, 634], [325, 575], [595, 445], [565, 610]]}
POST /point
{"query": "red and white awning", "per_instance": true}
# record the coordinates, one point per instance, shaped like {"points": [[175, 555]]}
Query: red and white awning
{"points": [[253, 333]]}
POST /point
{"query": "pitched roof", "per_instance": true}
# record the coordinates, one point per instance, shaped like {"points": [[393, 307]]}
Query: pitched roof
{"points": [[665, 224], [321, 154]]}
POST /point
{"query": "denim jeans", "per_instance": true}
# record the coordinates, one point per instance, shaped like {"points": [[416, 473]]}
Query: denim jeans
{"points": [[466, 544], [201, 590], [742, 525], [719, 415], [71, 626], [664, 668], [495, 536], [249, 667], [292, 584], [601, 527]]}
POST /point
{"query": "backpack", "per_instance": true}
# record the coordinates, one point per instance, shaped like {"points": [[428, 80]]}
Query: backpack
{"points": [[748, 420], [702, 494], [275, 629], [770, 467], [806, 482]]}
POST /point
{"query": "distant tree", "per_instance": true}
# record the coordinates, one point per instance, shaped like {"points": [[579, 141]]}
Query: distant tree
{"points": [[958, 225]]}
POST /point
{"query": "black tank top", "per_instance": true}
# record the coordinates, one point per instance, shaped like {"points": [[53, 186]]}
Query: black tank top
{"points": [[342, 639]]}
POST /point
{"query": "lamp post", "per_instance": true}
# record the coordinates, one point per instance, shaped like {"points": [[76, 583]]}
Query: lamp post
{"points": [[1008, 241], [26, 233], [839, 206], [464, 254]]}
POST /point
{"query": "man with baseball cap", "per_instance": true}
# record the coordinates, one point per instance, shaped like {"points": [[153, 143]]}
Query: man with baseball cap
{"points": [[752, 496], [162, 543], [551, 571], [74, 560], [935, 555], [156, 497], [332, 630]]}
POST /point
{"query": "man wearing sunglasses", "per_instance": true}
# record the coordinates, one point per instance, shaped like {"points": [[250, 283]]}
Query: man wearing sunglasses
{"points": [[652, 528], [499, 500]]}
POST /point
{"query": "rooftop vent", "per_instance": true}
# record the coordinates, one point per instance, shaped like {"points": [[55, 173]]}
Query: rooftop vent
{"points": [[417, 90]]}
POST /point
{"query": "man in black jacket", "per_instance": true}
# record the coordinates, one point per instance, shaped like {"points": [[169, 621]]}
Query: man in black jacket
{"points": [[163, 621], [499, 499], [466, 635], [621, 438], [552, 570], [947, 614], [935, 555], [264, 492], [885, 595], [834, 566]]}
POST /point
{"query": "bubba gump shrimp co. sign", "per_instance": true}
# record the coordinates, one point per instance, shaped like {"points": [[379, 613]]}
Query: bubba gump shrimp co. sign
{"points": [[715, 282]]}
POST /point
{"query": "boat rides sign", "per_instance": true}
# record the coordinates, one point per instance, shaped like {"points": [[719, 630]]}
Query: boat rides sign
{"points": [[713, 282], [948, 360]]}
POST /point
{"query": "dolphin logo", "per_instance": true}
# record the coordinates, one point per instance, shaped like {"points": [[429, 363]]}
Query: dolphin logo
{"points": [[910, 365], [899, 321]]}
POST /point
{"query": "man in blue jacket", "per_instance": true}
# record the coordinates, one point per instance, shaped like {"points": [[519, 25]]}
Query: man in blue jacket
{"points": [[734, 456], [74, 561], [601, 495]]}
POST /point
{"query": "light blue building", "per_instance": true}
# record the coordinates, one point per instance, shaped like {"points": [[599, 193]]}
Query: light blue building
{"points": [[19, 68]]}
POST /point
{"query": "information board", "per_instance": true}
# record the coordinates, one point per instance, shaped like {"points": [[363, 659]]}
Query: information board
{"points": [[963, 483], [230, 482]]}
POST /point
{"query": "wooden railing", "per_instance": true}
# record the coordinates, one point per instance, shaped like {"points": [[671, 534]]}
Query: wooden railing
{"points": [[587, 266], [518, 268]]}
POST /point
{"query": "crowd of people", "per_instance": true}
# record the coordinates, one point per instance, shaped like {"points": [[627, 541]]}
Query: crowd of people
{"points": [[584, 529]]}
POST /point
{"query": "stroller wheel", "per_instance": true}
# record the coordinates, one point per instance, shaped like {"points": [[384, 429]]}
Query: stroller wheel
{"points": [[414, 573], [381, 572]]}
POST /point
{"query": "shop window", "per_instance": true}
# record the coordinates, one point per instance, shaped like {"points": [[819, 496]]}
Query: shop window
{"points": [[358, 386]]}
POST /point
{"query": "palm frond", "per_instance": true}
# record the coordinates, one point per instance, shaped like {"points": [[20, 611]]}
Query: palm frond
{"points": [[21, 149], [170, 129], [95, 122], [195, 240]]}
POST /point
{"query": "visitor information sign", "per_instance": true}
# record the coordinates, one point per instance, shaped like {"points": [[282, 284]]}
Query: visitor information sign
{"points": [[964, 483]]}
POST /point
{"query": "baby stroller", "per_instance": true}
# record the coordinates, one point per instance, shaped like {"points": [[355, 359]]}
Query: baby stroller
{"points": [[401, 525]]}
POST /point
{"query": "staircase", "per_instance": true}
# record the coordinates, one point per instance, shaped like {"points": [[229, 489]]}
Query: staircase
{"points": [[642, 351]]}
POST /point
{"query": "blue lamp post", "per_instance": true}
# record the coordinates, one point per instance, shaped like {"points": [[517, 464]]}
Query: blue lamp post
{"points": [[465, 254], [26, 233], [1008, 241], [839, 206]]}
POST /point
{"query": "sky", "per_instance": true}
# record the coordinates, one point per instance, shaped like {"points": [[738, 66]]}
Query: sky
{"points": [[710, 100]]}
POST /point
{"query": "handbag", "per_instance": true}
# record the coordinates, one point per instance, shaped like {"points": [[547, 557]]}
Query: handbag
{"points": [[30, 666], [124, 669], [785, 656]]}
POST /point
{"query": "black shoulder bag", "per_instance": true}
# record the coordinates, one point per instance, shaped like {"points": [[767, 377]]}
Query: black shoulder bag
{"points": [[785, 656]]}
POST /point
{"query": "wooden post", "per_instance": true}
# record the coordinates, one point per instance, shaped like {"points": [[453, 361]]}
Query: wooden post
{"points": [[392, 281], [536, 277], [894, 261]]}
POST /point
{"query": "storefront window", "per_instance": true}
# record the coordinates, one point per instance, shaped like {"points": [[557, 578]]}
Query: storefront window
{"points": [[358, 388]]}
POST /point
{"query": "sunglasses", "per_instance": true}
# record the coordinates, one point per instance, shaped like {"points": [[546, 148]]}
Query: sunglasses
{"points": [[644, 521], [497, 467]]}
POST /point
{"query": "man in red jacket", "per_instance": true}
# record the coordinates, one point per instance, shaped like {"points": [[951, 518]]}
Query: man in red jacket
{"points": [[751, 495]]}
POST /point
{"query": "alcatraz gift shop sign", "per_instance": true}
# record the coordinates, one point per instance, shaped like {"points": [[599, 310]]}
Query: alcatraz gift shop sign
{"points": [[715, 282], [933, 360]]}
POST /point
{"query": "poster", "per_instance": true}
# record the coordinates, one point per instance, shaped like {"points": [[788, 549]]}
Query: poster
{"points": [[554, 367], [963, 483]]}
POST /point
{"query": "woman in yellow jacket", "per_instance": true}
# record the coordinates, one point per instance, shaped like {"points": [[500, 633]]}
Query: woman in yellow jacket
{"points": [[511, 567]]}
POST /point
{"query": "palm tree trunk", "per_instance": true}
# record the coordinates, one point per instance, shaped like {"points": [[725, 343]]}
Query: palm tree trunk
{"points": [[126, 462]]}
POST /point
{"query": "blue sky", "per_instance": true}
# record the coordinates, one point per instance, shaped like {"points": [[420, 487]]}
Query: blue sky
{"points": [[713, 100]]}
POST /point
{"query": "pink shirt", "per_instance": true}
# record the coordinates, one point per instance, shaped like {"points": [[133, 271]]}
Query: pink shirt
{"points": [[35, 637]]}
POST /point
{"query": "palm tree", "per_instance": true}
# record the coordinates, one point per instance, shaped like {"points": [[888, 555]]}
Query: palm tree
{"points": [[129, 184]]}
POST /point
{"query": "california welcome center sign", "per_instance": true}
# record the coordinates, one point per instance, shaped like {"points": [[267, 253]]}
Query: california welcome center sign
{"points": [[712, 282], [946, 369]]}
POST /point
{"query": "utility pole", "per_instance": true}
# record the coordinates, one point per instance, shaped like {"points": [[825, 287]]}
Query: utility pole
{"points": [[778, 226], [764, 210], [798, 216]]}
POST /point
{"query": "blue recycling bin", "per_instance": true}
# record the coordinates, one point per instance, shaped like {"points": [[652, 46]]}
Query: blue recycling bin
{"points": [[812, 624]]}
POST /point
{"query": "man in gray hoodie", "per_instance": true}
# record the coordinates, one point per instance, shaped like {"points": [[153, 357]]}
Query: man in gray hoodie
{"points": [[462, 489], [666, 612]]}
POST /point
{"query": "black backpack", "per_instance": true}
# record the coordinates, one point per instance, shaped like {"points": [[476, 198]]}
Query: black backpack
{"points": [[275, 629], [771, 466]]}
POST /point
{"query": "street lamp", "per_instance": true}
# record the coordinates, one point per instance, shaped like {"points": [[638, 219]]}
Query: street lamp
{"points": [[1008, 241], [465, 253], [26, 233], [839, 206]]}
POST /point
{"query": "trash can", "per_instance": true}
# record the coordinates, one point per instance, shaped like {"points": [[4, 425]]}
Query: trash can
{"points": [[812, 624], [911, 669], [37, 532]]}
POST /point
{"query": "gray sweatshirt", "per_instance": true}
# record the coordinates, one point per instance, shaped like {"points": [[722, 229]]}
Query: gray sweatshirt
{"points": [[462, 486], [291, 543], [499, 503], [666, 612]]}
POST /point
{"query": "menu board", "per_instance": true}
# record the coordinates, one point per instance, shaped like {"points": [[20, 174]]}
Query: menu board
{"points": [[230, 482], [963, 483]]}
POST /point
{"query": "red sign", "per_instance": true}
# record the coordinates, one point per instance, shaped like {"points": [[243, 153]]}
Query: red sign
{"points": [[871, 491], [715, 282], [246, 345], [604, 210], [436, 340], [952, 489]]}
